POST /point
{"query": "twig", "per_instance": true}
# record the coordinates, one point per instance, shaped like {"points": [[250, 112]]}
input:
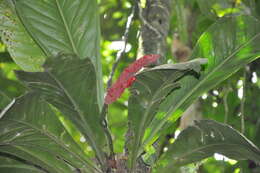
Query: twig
{"points": [[121, 52]]}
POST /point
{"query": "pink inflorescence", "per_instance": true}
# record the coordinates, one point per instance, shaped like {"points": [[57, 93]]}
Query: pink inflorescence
{"points": [[127, 77]]}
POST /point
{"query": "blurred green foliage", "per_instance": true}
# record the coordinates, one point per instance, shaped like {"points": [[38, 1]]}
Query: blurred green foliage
{"points": [[190, 18]]}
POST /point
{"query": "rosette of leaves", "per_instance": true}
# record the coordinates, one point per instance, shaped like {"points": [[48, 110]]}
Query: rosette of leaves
{"points": [[32, 126]]}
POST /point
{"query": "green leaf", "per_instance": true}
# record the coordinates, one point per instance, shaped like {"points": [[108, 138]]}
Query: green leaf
{"points": [[30, 130], [65, 26], [150, 89], [220, 8], [4, 100], [204, 139], [10, 88], [24, 51], [69, 84], [228, 45], [15, 166]]}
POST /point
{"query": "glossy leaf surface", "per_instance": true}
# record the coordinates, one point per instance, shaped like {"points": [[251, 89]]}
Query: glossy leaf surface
{"points": [[30, 130], [22, 48], [204, 139], [14, 166], [65, 26], [69, 84]]}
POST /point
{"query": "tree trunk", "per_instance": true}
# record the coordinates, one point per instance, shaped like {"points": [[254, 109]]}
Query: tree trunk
{"points": [[155, 21]]}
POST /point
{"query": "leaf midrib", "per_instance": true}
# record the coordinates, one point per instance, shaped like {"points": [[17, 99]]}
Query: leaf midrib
{"points": [[57, 155], [36, 156], [57, 141], [76, 106], [166, 83], [20, 167], [169, 113], [208, 146], [67, 28], [138, 142]]}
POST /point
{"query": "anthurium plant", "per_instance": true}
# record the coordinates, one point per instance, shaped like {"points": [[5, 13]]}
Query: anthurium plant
{"points": [[56, 45]]}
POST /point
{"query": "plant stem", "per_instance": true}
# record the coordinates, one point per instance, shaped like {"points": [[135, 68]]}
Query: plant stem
{"points": [[121, 52], [104, 111], [107, 131]]}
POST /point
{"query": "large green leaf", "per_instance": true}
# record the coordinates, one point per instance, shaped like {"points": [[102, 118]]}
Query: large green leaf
{"points": [[20, 45], [150, 89], [16, 166], [30, 130], [70, 85], [204, 139], [67, 26], [228, 45]]}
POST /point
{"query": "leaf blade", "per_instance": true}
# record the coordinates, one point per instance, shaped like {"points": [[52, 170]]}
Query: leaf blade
{"points": [[204, 139], [30, 130], [228, 48], [13, 166], [23, 50], [65, 26], [150, 89], [69, 84]]}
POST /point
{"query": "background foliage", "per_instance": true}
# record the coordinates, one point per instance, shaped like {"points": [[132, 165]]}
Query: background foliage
{"points": [[190, 18]]}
